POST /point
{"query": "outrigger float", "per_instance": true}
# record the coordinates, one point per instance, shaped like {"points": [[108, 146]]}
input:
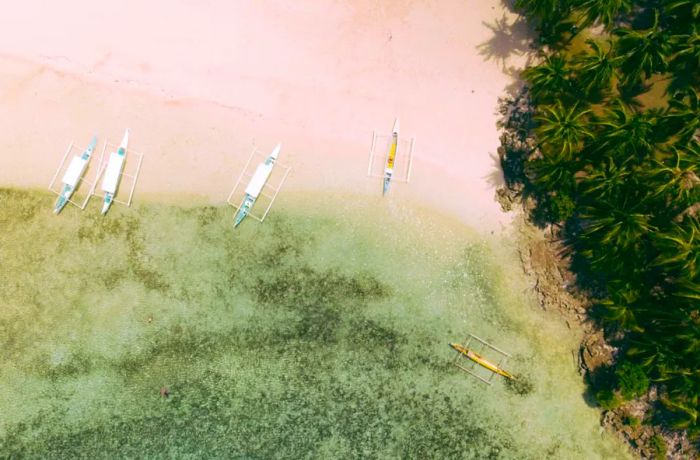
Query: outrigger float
{"points": [[113, 173], [73, 175], [478, 359], [255, 188]]}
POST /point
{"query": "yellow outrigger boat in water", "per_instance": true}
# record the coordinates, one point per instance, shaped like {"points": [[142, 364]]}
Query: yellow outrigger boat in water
{"points": [[481, 361]]}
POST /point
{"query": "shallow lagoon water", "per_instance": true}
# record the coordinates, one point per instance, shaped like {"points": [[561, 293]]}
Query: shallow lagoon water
{"points": [[320, 334]]}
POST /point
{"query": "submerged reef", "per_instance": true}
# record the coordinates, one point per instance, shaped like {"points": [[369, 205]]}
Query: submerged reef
{"points": [[159, 331]]}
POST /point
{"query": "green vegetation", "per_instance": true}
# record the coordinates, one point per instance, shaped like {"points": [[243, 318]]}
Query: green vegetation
{"points": [[632, 421], [608, 147], [632, 380], [659, 445], [608, 399]]}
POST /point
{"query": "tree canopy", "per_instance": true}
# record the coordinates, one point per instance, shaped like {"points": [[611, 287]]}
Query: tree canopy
{"points": [[615, 166]]}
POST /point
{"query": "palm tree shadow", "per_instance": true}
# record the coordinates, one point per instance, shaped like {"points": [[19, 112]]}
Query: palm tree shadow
{"points": [[508, 40], [516, 82], [495, 178], [510, 5]]}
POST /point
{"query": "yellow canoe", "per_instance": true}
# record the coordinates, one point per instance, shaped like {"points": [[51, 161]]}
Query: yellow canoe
{"points": [[481, 361]]}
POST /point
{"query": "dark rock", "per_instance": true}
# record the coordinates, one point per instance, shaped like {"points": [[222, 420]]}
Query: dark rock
{"points": [[595, 352]]}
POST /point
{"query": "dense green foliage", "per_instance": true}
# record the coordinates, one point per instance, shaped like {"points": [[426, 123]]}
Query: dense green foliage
{"points": [[659, 446], [632, 380], [608, 399], [632, 421], [615, 166]]}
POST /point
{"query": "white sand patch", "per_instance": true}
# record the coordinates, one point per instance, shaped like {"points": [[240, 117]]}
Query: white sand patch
{"points": [[200, 83]]}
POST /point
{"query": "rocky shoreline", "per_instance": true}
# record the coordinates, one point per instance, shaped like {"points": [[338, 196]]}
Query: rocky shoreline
{"points": [[553, 287], [546, 266]]}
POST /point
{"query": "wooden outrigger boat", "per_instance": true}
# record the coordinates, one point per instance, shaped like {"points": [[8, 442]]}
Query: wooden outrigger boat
{"points": [[391, 158], [256, 184], [73, 175], [481, 361], [113, 173]]}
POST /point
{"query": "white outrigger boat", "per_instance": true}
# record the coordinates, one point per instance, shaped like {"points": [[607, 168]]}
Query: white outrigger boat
{"points": [[113, 173], [391, 158], [256, 184], [73, 175]]}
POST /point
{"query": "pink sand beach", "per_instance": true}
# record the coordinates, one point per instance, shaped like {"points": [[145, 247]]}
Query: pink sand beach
{"points": [[200, 84]]}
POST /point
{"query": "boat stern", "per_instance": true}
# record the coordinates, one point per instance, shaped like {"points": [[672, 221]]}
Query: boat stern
{"points": [[387, 182], [60, 204], [242, 213], [63, 198], [107, 203], [244, 210]]}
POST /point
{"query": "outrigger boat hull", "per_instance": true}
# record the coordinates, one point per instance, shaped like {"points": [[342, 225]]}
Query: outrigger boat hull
{"points": [[481, 361], [256, 184], [107, 203], [244, 210], [113, 173], [73, 175], [391, 158], [63, 198]]}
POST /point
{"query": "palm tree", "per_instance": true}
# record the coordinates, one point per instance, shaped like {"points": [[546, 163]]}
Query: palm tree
{"points": [[551, 173], [607, 181], [630, 175], [616, 225], [681, 15], [644, 51], [687, 289], [557, 33], [686, 414], [605, 11], [549, 80], [683, 116], [679, 250], [613, 238], [647, 353], [619, 307], [563, 129], [685, 61], [627, 135], [595, 70], [675, 180], [542, 9], [628, 91], [551, 17]]}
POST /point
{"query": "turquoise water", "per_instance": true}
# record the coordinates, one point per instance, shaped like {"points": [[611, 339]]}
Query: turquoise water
{"points": [[321, 333]]}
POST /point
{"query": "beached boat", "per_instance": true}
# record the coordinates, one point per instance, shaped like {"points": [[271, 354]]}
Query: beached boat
{"points": [[73, 174], [256, 184], [391, 158], [113, 173], [481, 361]]}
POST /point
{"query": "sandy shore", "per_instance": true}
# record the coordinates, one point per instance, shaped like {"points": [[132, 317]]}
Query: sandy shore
{"points": [[201, 86]]}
